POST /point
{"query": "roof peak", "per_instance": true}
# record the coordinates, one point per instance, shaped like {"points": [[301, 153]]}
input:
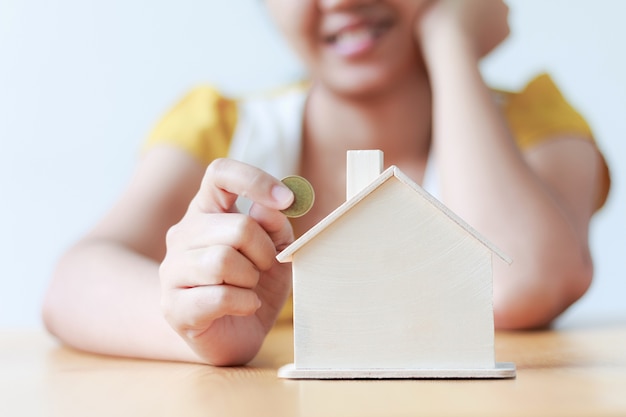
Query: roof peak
{"points": [[391, 172]]}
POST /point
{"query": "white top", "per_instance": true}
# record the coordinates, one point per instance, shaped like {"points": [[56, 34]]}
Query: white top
{"points": [[269, 136]]}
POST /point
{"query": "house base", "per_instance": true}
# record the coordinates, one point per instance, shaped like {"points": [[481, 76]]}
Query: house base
{"points": [[501, 370]]}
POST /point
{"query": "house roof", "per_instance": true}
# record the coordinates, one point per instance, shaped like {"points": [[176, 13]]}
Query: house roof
{"points": [[391, 172]]}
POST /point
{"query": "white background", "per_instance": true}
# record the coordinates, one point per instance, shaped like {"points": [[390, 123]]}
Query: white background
{"points": [[83, 81]]}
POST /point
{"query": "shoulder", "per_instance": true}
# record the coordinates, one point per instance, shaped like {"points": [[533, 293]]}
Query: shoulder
{"points": [[203, 121], [200, 122], [540, 114], [540, 111]]}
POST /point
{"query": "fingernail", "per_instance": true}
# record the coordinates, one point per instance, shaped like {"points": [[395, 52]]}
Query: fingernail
{"points": [[282, 194]]}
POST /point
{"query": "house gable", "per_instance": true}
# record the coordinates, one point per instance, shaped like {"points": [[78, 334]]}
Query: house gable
{"points": [[392, 171], [371, 277]]}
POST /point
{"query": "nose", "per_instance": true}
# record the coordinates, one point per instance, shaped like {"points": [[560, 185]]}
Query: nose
{"points": [[327, 5]]}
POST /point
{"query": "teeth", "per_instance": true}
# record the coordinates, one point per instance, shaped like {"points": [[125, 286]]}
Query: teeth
{"points": [[356, 36]]}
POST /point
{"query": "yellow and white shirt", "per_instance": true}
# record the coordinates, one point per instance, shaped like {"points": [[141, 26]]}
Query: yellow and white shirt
{"points": [[265, 131]]}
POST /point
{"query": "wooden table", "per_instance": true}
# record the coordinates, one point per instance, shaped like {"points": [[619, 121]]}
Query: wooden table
{"points": [[571, 372]]}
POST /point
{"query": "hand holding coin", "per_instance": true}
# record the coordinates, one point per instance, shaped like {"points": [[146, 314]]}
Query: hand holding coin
{"points": [[303, 193]]}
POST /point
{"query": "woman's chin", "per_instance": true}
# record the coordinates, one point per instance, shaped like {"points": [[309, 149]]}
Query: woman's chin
{"points": [[359, 85]]}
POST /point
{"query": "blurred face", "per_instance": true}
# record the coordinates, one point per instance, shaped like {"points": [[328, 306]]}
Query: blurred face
{"points": [[354, 47]]}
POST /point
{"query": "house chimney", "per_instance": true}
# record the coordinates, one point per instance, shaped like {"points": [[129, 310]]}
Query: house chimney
{"points": [[362, 168]]}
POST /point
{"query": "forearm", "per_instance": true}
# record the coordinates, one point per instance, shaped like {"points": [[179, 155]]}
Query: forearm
{"points": [[106, 299], [485, 179], [481, 171]]}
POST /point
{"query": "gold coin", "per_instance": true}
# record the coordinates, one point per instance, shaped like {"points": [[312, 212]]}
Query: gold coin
{"points": [[303, 196]]}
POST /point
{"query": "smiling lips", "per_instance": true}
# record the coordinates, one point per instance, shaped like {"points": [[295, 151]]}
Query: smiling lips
{"points": [[357, 39]]}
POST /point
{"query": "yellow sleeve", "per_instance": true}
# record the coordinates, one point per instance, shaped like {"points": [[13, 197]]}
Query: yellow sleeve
{"points": [[540, 113], [202, 123]]}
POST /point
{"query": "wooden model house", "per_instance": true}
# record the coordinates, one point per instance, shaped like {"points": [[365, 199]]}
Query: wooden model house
{"points": [[392, 284]]}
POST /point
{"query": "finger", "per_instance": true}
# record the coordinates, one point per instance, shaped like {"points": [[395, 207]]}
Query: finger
{"points": [[275, 224], [215, 265], [245, 234], [238, 231], [225, 179], [197, 308]]}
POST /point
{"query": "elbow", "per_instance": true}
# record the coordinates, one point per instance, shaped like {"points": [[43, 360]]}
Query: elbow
{"points": [[55, 307], [49, 312], [535, 299], [51, 308], [47, 315], [517, 316]]}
